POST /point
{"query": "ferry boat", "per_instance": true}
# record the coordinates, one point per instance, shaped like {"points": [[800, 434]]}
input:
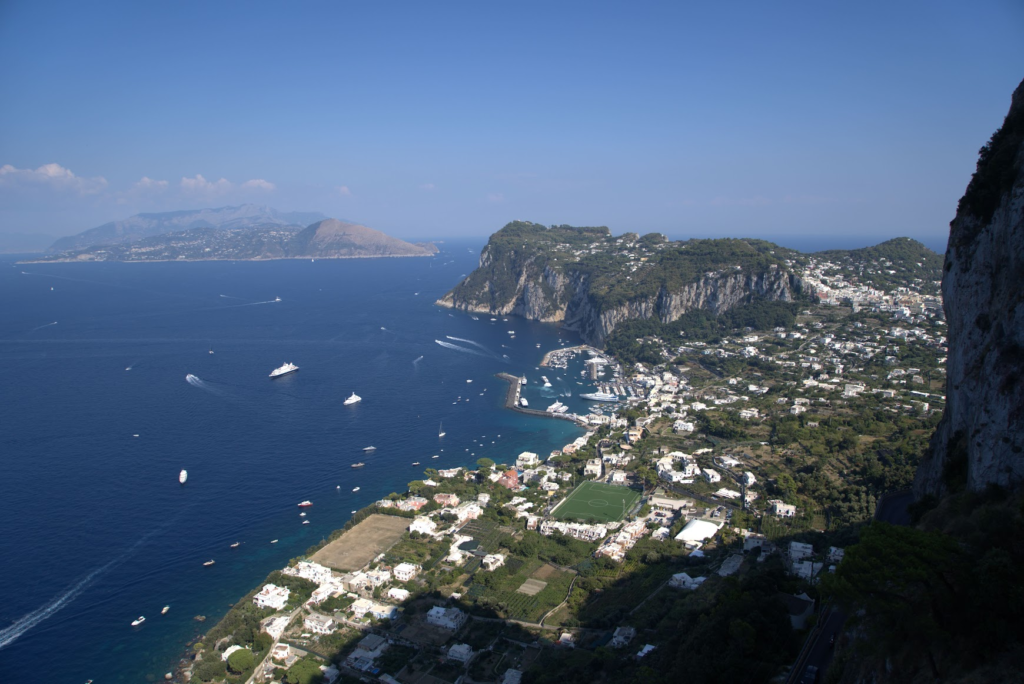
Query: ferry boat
{"points": [[354, 399], [358, 465], [209, 563], [305, 504], [139, 621], [284, 370], [182, 476], [164, 611]]}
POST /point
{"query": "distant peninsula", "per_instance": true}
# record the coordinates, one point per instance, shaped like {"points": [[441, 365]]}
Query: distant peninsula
{"points": [[229, 234], [590, 281]]}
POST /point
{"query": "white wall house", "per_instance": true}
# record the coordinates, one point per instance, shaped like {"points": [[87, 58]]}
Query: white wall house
{"points": [[272, 596]]}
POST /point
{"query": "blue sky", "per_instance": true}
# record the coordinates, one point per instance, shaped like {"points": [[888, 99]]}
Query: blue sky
{"points": [[790, 121]]}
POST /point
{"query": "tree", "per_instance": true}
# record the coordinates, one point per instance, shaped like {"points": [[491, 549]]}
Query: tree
{"points": [[241, 661], [306, 671], [416, 486], [484, 463]]}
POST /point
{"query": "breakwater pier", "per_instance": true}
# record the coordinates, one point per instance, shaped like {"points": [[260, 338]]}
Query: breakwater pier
{"points": [[512, 402]]}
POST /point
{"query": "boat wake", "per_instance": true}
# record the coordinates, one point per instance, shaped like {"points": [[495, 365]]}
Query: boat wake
{"points": [[8, 635], [477, 345], [418, 359], [464, 350], [11, 633], [45, 325], [196, 381]]}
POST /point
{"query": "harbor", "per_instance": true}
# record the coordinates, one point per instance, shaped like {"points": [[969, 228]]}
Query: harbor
{"points": [[512, 402]]}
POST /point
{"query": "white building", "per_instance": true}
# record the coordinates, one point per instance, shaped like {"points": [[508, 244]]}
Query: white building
{"points": [[684, 581], [423, 525], [272, 596], [593, 468], [461, 652], [711, 476], [319, 624], [492, 561], [396, 594], [311, 571], [698, 531], [406, 571], [783, 510], [527, 459], [448, 618]]}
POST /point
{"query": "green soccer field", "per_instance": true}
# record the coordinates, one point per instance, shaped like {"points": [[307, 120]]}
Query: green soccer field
{"points": [[597, 500]]}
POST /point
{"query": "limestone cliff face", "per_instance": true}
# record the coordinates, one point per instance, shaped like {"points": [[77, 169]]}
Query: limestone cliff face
{"points": [[981, 437], [552, 296]]}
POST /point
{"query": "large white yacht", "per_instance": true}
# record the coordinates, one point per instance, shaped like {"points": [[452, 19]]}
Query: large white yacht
{"points": [[354, 399], [284, 370]]}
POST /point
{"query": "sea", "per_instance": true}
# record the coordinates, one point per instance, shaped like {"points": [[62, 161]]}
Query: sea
{"points": [[116, 376]]}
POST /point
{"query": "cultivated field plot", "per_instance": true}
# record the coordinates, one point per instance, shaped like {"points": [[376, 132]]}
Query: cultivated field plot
{"points": [[362, 543], [597, 501], [532, 587]]}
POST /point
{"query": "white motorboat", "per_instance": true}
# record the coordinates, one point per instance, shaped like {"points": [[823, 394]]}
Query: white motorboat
{"points": [[283, 370], [440, 430], [164, 611], [370, 448], [305, 504], [182, 476], [235, 545], [355, 489], [139, 621], [354, 399], [209, 562]]}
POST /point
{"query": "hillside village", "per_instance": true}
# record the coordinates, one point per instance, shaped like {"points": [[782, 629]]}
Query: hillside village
{"points": [[740, 461]]}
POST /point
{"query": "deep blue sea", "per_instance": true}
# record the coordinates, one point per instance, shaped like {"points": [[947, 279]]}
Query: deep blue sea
{"points": [[97, 419]]}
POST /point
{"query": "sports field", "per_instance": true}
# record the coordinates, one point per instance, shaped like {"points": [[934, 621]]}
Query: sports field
{"points": [[597, 500]]}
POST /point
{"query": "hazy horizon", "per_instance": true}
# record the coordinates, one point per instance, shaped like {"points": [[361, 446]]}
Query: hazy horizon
{"points": [[829, 124]]}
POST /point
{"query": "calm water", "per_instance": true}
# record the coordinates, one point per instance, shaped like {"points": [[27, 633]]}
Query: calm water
{"points": [[95, 528]]}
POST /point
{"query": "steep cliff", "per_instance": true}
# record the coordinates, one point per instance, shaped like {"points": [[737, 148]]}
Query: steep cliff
{"points": [[590, 281], [981, 437]]}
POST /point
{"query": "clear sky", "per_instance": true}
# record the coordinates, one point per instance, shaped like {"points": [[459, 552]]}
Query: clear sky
{"points": [[841, 122]]}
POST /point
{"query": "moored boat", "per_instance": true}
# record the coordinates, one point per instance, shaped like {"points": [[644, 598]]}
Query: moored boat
{"points": [[139, 621], [164, 611], [358, 465], [354, 399], [209, 562], [182, 476], [235, 545], [305, 504]]}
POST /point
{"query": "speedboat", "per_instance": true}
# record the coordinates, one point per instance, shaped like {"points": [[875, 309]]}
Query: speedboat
{"points": [[370, 448], [209, 562], [235, 545], [305, 522], [355, 489], [302, 514], [139, 621], [354, 399], [164, 611], [435, 456], [415, 463], [305, 504], [440, 430], [358, 465], [273, 541], [182, 476]]}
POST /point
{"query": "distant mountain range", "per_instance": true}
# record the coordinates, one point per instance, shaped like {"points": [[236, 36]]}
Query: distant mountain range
{"points": [[229, 233], [148, 225]]}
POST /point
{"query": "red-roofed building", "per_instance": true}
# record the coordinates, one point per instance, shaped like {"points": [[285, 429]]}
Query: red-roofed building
{"points": [[447, 500], [510, 480]]}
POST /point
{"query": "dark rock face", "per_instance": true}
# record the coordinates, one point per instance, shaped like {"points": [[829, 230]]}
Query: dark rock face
{"points": [[980, 440]]}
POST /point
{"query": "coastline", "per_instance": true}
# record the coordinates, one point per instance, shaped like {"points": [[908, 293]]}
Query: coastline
{"points": [[171, 261]]}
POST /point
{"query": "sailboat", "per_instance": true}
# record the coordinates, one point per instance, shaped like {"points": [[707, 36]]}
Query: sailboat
{"points": [[440, 430]]}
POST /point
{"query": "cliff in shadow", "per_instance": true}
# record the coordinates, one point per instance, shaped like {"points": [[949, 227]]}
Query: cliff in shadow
{"points": [[980, 440]]}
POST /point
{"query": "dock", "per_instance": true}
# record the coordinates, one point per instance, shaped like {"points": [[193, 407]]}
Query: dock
{"points": [[561, 350], [512, 402]]}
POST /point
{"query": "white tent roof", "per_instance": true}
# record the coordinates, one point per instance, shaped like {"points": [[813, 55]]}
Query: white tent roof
{"points": [[698, 530]]}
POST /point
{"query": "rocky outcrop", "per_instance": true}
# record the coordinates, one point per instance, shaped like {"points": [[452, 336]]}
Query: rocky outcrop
{"points": [[553, 296], [332, 238], [980, 440]]}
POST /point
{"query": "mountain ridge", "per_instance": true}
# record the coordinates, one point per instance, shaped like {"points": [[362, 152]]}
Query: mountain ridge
{"points": [[146, 225]]}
